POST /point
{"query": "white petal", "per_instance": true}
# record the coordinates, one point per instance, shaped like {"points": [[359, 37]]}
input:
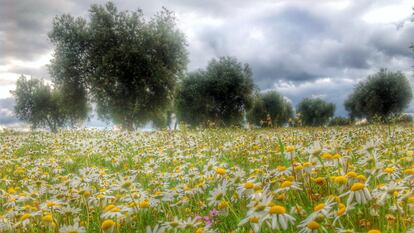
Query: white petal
{"points": [[367, 194], [358, 196], [350, 199], [274, 223], [283, 222]]}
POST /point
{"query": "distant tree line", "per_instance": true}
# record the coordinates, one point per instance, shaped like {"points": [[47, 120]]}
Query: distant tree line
{"points": [[133, 70]]}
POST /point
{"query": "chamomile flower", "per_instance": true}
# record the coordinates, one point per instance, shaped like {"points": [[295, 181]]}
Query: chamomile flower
{"points": [[283, 171], [310, 227], [108, 226], [157, 229], [390, 173], [174, 225], [321, 209], [113, 211], [278, 218], [75, 228], [218, 194], [254, 221], [246, 188], [342, 211], [288, 185], [358, 193], [190, 223]]}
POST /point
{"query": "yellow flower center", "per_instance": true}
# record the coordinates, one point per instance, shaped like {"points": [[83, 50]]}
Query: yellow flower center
{"points": [[254, 219], [409, 172], [290, 149], [307, 164], [320, 180], [389, 170], [107, 224], [361, 178], [298, 168], [286, 184], [144, 204], [11, 190], [257, 188], [336, 156], [281, 168], [352, 174], [277, 209], [341, 211], [319, 207], [51, 204], [24, 217], [223, 205], [248, 185], [374, 231], [340, 179], [220, 171], [327, 156], [357, 186], [109, 207], [47, 218], [313, 225]]}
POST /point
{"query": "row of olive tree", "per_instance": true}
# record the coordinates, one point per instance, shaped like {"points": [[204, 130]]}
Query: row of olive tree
{"points": [[224, 94]]}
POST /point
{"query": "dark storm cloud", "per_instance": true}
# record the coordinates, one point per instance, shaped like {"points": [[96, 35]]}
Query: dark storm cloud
{"points": [[268, 73], [24, 26], [396, 43]]}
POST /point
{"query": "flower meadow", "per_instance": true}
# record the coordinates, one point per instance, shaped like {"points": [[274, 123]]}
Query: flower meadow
{"points": [[306, 180]]}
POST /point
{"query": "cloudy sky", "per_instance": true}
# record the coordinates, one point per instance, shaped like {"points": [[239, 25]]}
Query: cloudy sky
{"points": [[299, 47]]}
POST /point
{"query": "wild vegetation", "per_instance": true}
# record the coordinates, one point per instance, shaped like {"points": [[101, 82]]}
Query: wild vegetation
{"points": [[346, 179]]}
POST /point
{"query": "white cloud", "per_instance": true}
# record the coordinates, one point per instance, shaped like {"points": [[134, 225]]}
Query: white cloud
{"points": [[394, 12]]}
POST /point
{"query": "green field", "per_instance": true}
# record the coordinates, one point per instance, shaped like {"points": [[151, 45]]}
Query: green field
{"points": [[349, 179]]}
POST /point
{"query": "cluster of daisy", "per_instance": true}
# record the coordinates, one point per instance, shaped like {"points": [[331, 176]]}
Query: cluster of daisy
{"points": [[351, 179]]}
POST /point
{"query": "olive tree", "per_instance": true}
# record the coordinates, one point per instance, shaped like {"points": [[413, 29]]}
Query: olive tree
{"points": [[383, 94], [270, 109], [315, 111], [127, 64], [38, 104], [221, 94]]}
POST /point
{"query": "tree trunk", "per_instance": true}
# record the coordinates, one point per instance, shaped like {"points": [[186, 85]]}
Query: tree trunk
{"points": [[128, 124], [52, 126]]}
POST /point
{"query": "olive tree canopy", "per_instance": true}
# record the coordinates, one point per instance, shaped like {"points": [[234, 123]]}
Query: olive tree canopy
{"points": [[220, 94], [315, 111], [383, 94], [127, 64], [270, 109]]}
